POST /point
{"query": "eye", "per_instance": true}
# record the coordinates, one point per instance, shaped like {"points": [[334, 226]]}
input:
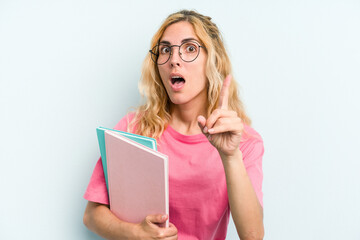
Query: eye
{"points": [[190, 48], [164, 49]]}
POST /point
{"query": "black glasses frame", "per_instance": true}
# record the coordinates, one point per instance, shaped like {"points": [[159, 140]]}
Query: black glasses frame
{"points": [[154, 56]]}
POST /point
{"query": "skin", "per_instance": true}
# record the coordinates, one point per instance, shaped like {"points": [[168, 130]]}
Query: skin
{"points": [[193, 72], [223, 128]]}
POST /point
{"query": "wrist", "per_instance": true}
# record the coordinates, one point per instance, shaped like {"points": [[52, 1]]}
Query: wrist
{"points": [[128, 231], [135, 231], [233, 157], [233, 161]]}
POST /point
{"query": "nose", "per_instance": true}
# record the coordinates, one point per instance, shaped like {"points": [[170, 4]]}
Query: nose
{"points": [[175, 59]]}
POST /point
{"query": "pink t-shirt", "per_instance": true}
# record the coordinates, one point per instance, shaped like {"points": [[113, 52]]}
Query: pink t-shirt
{"points": [[198, 200]]}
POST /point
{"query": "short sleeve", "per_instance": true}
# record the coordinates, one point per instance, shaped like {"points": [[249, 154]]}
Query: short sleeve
{"points": [[253, 151], [96, 190]]}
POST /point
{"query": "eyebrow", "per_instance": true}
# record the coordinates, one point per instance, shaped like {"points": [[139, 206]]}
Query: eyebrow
{"points": [[182, 41]]}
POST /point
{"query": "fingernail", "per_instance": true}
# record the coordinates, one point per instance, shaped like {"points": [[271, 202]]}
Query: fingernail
{"points": [[211, 130], [205, 129], [163, 217]]}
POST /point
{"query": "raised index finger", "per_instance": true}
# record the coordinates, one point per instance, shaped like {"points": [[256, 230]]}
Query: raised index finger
{"points": [[224, 94]]}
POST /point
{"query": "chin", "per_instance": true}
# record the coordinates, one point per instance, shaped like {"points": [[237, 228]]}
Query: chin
{"points": [[178, 100]]}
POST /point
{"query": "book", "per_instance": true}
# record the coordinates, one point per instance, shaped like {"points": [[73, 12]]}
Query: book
{"points": [[146, 141], [137, 178]]}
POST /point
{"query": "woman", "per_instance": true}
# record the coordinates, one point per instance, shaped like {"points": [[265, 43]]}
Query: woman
{"points": [[215, 158]]}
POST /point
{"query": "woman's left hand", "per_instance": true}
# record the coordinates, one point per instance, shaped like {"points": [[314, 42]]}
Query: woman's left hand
{"points": [[223, 128]]}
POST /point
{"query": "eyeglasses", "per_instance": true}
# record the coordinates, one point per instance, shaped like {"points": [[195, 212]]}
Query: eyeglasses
{"points": [[188, 52]]}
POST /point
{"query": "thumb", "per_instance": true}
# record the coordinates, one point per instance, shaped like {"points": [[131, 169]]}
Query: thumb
{"points": [[202, 121], [157, 218]]}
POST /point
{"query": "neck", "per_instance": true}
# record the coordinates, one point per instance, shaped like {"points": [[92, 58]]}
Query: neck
{"points": [[184, 117]]}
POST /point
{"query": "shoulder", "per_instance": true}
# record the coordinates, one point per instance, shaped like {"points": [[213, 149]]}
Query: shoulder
{"points": [[123, 124], [250, 134]]}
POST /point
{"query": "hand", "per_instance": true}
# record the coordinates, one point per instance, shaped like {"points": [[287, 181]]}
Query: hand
{"points": [[149, 229], [223, 128]]}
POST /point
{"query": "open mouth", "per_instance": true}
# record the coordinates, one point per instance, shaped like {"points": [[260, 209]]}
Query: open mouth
{"points": [[177, 80]]}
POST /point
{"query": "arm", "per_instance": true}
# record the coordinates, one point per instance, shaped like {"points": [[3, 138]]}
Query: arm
{"points": [[99, 219], [224, 128], [245, 208]]}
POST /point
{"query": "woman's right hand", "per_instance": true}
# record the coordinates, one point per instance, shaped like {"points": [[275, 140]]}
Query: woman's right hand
{"points": [[149, 229]]}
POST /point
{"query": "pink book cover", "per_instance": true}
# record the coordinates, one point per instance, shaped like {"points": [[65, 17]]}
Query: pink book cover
{"points": [[138, 179]]}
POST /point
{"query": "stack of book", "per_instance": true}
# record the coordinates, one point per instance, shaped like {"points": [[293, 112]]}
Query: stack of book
{"points": [[136, 175]]}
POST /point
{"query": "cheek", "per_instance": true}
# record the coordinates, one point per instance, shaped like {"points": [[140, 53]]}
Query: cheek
{"points": [[162, 74], [202, 66], [201, 72]]}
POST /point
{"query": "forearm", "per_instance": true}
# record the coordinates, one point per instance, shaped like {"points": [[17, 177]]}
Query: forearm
{"points": [[99, 219], [245, 208]]}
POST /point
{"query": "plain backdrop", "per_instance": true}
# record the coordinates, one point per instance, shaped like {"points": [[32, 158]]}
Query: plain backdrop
{"points": [[67, 67]]}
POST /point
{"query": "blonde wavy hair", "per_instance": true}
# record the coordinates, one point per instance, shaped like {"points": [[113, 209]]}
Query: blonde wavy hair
{"points": [[152, 118]]}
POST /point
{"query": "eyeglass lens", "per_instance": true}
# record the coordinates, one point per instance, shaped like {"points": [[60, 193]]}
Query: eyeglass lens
{"points": [[188, 51]]}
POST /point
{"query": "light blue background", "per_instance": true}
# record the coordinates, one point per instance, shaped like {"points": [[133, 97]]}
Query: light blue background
{"points": [[67, 67]]}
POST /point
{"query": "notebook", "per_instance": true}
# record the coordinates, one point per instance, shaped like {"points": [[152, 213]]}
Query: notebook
{"points": [[137, 178], [146, 141]]}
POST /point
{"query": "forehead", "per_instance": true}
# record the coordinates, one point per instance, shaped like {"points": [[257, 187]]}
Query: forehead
{"points": [[176, 32]]}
